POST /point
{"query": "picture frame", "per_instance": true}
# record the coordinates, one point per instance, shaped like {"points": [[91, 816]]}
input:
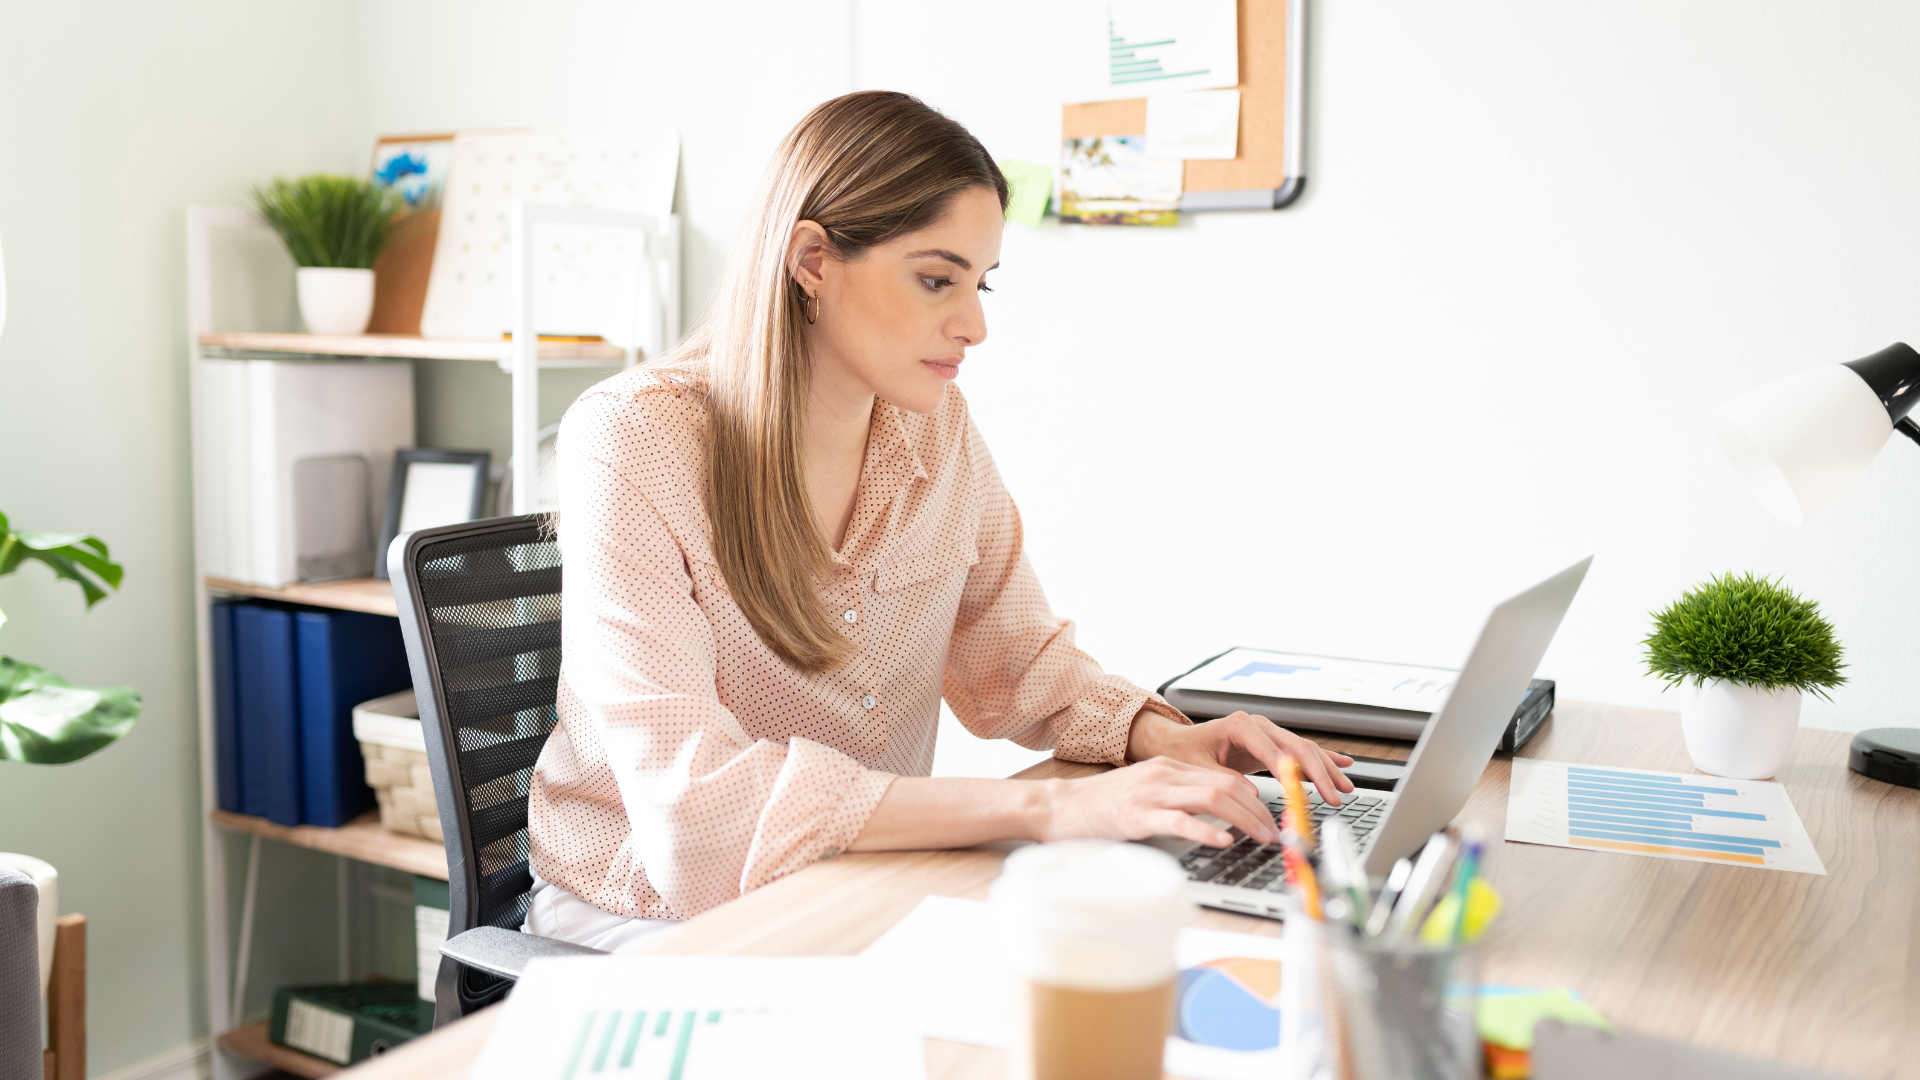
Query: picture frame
{"points": [[431, 487]]}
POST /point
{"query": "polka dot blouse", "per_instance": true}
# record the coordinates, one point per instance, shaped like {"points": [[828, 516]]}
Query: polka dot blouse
{"points": [[691, 763]]}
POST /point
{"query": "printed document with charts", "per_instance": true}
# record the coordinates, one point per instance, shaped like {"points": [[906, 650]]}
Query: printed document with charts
{"points": [[1664, 815], [1321, 678], [696, 1018]]}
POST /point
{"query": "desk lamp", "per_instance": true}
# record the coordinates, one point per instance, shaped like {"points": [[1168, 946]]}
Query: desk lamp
{"points": [[1798, 443]]}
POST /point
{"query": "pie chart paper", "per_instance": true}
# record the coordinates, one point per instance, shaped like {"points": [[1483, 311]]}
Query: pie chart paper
{"points": [[942, 970]]}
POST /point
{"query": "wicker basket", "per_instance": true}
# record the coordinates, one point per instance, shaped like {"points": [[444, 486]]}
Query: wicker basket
{"points": [[389, 732]]}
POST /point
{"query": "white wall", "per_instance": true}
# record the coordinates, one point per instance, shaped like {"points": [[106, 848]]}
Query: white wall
{"points": [[113, 117], [1539, 243]]}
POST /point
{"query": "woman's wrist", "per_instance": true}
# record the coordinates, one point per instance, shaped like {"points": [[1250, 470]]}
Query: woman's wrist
{"points": [[1147, 737]]}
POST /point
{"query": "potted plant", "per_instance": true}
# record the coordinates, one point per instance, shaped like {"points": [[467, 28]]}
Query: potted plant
{"points": [[1742, 650], [334, 227]]}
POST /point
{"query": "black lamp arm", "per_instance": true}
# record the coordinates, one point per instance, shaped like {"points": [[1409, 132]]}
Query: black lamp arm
{"points": [[1908, 428]]}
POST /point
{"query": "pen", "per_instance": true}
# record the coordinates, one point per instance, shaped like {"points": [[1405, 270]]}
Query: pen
{"points": [[1427, 879], [1344, 875], [1300, 873], [1463, 878], [1390, 892]]}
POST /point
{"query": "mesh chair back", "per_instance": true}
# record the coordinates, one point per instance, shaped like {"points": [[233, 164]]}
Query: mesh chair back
{"points": [[480, 611]]}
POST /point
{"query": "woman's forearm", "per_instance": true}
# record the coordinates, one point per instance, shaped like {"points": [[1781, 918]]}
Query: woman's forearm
{"points": [[920, 813]]}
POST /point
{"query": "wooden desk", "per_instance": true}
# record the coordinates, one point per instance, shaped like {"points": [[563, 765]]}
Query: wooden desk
{"points": [[1820, 971]]}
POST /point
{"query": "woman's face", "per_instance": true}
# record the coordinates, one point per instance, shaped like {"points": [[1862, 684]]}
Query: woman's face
{"points": [[898, 320]]}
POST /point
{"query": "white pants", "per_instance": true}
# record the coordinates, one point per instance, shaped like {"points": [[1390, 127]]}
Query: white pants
{"points": [[556, 913]]}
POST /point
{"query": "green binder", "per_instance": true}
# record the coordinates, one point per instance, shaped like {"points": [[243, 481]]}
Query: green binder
{"points": [[344, 1023]]}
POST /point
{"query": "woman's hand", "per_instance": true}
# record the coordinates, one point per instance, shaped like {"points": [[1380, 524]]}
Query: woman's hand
{"points": [[1239, 744], [1158, 797]]}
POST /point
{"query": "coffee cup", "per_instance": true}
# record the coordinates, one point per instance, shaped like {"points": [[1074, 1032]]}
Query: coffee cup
{"points": [[1088, 930]]}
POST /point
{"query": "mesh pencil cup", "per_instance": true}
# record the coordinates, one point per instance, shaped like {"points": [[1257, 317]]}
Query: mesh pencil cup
{"points": [[1355, 1009]]}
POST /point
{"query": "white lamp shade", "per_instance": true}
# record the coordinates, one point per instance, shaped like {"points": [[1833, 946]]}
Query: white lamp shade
{"points": [[1800, 441]]}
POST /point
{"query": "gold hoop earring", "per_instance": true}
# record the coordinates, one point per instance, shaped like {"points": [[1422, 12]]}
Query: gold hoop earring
{"points": [[810, 307]]}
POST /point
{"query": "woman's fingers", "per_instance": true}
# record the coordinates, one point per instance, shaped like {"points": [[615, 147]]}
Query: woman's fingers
{"points": [[1247, 815], [1333, 766], [1186, 827]]}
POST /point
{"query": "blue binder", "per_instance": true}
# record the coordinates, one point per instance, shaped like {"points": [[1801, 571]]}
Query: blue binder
{"points": [[345, 658], [267, 694], [226, 717]]}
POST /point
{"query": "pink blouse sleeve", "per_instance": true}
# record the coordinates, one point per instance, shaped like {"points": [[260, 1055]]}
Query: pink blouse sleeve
{"points": [[1013, 671], [714, 812]]}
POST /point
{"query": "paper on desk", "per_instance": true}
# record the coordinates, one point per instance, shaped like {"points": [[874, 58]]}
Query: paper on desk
{"points": [[695, 1018], [1203, 124], [945, 981], [1659, 814]]}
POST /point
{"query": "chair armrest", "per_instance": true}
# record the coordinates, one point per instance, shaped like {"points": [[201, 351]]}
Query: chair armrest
{"points": [[505, 952]]}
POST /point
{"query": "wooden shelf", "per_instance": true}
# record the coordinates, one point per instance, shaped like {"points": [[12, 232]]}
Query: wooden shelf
{"points": [[351, 594], [251, 1041], [409, 347], [363, 839]]}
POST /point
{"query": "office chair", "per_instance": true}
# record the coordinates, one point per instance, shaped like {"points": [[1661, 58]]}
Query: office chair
{"points": [[479, 606]]}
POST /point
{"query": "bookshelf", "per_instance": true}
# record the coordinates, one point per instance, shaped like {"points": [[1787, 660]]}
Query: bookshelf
{"points": [[239, 303], [363, 839], [253, 1042], [261, 344], [352, 594]]}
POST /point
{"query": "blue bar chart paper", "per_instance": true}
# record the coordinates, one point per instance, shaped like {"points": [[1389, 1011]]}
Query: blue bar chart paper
{"points": [[1663, 815]]}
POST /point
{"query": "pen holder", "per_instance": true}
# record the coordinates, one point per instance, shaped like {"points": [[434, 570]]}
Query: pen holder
{"points": [[1356, 1009]]}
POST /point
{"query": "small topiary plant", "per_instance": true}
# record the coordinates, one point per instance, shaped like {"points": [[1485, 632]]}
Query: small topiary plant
{"points": [[336, 221], [1745, 630]]}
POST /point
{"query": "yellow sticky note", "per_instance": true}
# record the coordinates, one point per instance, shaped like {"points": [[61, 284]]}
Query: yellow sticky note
{"points": [[1031, 186], [1508, 1019], [1483, 904]]}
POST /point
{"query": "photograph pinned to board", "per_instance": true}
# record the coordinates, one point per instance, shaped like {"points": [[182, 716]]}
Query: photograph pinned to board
{"points": [[1110, 180], [414, 165], [591, 278], [1131, 48], [1200, 125]]}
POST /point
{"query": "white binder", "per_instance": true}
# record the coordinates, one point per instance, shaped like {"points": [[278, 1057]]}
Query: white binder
{"points": [[266, 422]]}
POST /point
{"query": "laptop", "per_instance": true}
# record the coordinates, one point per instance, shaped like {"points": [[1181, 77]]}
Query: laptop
{"points": [[1453, 751]]}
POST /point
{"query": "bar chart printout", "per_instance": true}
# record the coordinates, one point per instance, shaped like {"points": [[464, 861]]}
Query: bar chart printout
{"points": [[1658, 814], [693, 1018]]}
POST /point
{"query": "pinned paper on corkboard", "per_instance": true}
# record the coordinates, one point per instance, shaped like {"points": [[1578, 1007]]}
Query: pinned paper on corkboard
{"points": [[1267, 170]]}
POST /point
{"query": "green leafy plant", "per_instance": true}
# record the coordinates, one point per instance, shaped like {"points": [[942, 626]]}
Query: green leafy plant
{"points": [[338, 221], [45, 720], [1746, 630]]}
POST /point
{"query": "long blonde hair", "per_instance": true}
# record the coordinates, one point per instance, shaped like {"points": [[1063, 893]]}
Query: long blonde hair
{"points": [[866, 168]]}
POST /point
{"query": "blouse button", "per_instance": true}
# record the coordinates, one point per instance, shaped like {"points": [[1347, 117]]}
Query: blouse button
{"points": [[852, 616], [868, 702]]}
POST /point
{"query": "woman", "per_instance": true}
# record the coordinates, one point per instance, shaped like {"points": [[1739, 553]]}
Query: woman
{"points": [[786, 542]]}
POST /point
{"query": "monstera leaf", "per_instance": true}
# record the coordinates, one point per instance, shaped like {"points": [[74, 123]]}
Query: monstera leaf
{"points": [[45, 720], [77, 557]]}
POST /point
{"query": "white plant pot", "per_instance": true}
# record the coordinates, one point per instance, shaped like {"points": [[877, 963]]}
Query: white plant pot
{"points": [[1736, 730], [335, 300]]}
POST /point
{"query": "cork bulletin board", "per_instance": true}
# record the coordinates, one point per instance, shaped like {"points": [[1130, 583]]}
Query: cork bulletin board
{"points": [[1268, 172]]}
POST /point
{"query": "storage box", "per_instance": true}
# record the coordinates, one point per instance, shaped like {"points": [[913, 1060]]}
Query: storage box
{"points": [[396, 753], [344, 1023]]}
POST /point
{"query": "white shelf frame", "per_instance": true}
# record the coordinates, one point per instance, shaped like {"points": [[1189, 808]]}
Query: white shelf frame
{"points": [[226, 979]]}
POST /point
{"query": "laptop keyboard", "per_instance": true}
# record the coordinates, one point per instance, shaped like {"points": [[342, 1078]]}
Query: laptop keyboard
{"points": [[1250, 865]]}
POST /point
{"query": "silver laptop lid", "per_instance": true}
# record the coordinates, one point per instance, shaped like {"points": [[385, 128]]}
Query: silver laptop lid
{"points": [[1457, 744]]}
